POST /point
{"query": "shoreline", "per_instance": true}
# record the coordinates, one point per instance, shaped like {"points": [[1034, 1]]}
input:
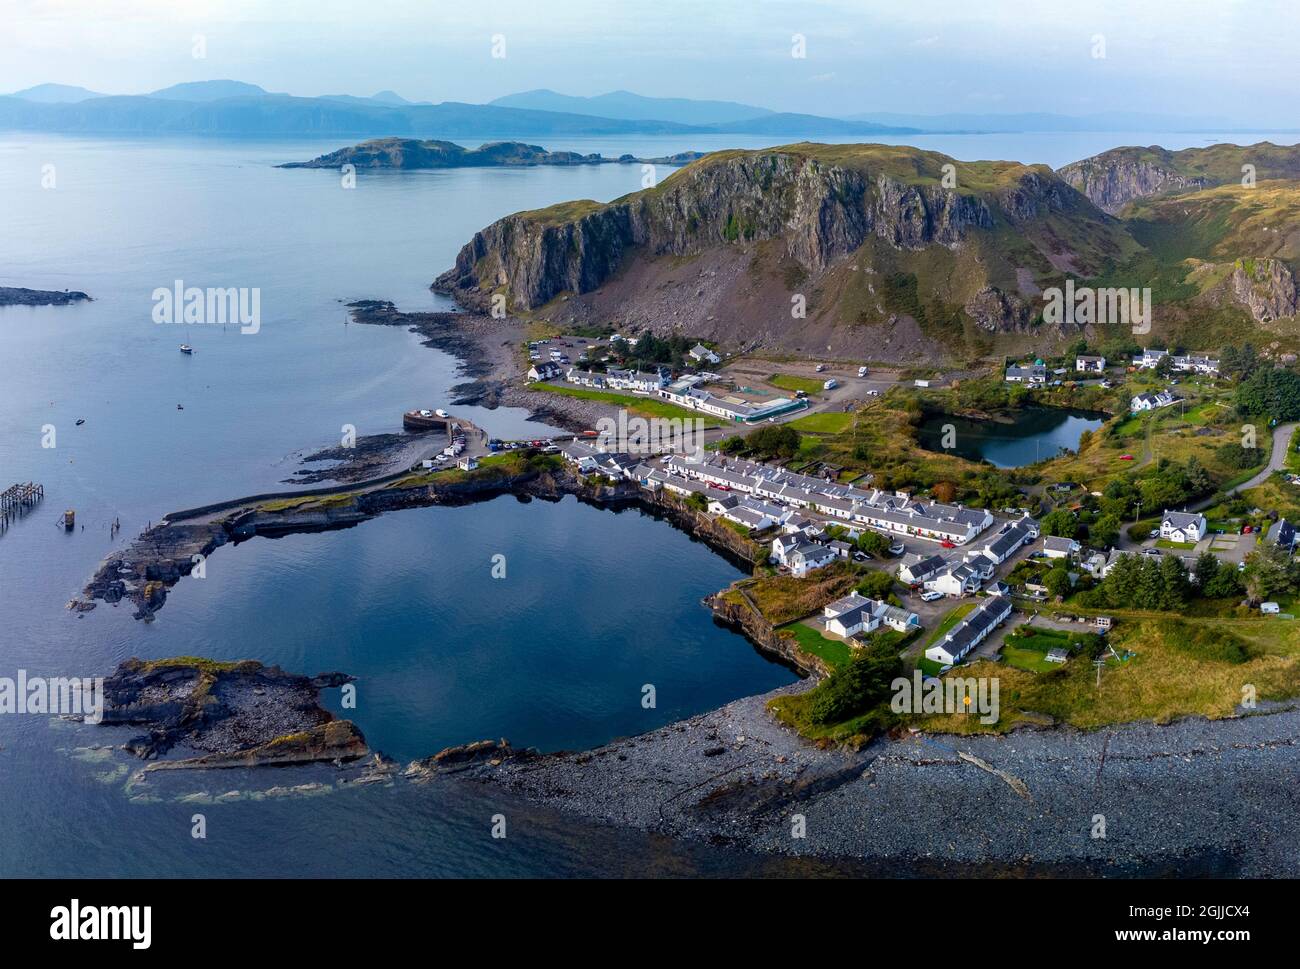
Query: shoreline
{"points": [[735, 776]]}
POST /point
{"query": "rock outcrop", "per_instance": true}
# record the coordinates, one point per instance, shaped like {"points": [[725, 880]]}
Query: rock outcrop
{"points": [[999, 312], [1114, 179], [240, 714], [1266, 288], [1117, 177]]}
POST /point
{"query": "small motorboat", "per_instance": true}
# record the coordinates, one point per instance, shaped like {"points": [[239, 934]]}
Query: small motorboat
{"points": [[179, 407], [186, 348], [80, 421]]}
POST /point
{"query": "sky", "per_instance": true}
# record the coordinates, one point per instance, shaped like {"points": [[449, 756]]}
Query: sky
{"points": [[1226, 58]]}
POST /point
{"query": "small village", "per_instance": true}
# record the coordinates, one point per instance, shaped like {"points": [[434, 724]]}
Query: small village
{"points": [[947, 582]]}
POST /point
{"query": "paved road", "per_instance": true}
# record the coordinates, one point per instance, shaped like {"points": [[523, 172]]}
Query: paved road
{"points": [[1281, 444]]}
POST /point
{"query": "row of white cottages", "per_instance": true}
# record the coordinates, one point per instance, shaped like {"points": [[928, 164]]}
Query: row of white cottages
{"points": [[972, 630], [963, 574], [887, 512]]}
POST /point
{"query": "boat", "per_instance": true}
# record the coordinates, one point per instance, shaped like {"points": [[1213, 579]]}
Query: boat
{"points": [[423, 420], [80, 421], [186, 348]]}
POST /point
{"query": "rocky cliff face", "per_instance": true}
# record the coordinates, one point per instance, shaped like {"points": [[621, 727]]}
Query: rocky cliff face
{"points": [[1266, 288], [1114, 179], [818, 212]]}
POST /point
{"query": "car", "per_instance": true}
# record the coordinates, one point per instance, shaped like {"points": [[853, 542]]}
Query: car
{"points": [[1245, 529], [821, 368], [1126, 457], [862, 371], [898, 548], [946, 544], [931, 595], [1154, 533], [860, 556]]}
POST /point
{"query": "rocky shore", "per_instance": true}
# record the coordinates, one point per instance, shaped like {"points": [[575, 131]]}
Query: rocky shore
{"points": [[227, 714], [488, 351], [17, 296], [1194, 797]]}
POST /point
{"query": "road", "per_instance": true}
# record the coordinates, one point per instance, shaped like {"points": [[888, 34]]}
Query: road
{"points": [[1276, 460]]}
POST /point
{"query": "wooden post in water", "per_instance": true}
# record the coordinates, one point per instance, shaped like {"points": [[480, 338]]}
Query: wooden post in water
{"points": [[17, 500]]}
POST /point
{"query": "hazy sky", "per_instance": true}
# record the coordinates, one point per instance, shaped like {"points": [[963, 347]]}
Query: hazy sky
{"points": [[1233, 58]]}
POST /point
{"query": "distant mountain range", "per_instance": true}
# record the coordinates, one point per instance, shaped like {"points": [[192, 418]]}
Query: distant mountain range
{"points": [[226, 107], [229, 107], [635, 107]]}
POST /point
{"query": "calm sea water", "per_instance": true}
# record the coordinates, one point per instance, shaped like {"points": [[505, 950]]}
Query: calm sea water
{"points": [[595, 604]]}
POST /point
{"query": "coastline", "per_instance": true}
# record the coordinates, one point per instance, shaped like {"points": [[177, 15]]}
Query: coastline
{"points": [[735, 776]]}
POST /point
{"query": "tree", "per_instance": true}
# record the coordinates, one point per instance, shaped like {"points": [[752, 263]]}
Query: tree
{"points": [[1270, 393], [944, 492], [855, 687], [873, 543], [1226, 584], [1235, 456], [1174, 586], [1061, 522], [774, 440], [1268, 572], [1104, 531], [1205, 570], [876, 585], [1057, 581]]}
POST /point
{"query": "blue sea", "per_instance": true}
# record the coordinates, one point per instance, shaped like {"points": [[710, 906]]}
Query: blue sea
{"points": [[595, 604]]}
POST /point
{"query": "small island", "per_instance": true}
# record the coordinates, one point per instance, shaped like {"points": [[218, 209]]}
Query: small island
{"points": [[18, 296], [411, 153]]}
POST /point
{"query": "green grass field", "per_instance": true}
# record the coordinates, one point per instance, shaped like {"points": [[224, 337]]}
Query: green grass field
{"points": [[824, 423], [1030, 660], [790, 382], [642, 406], [834, 651]]}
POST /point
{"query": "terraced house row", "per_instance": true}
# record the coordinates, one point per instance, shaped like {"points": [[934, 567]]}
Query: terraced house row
{"points": [[895, 513]]}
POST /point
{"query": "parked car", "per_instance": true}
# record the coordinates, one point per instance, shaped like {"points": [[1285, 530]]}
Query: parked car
{"points": [[1154, 533], [931, 595], [1245, 529], [898, 548], [862, 371], [821, 368], [1126, 457], [946, 544]]}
